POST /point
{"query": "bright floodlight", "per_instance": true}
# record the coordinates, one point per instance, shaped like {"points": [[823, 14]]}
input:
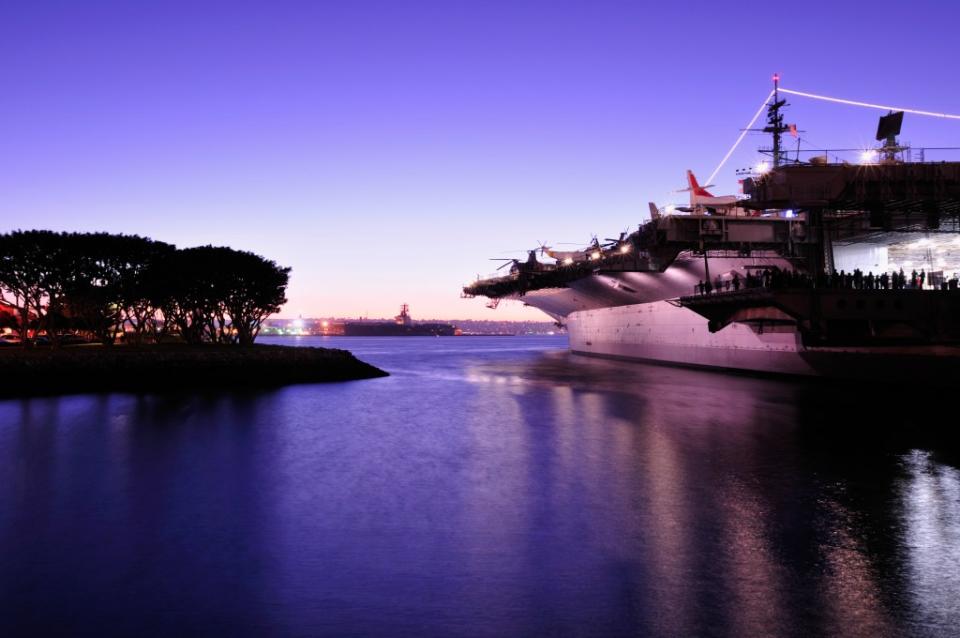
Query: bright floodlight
{"points": [[298, 323], [595, 255], [568, 261], [762, 168], [670, 208], [625, 248], [868, 157]]}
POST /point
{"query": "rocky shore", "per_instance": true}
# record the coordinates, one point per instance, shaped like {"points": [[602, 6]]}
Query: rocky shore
{"points": [[156, 368]]}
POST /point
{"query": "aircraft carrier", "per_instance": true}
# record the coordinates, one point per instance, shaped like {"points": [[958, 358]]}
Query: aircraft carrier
{"points": [[821, 268], [402, 325]]}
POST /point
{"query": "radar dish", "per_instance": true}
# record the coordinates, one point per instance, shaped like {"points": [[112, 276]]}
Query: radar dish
{"points": [[889, 125]]}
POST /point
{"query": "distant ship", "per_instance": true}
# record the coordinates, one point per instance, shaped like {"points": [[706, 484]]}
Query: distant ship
{"points": [[401, 326], [803, 275]]}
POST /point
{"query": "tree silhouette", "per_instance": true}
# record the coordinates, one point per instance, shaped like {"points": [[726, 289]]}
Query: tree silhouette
{"points": [[105, 290], [104, 284], [31, 276], [254, 290]]}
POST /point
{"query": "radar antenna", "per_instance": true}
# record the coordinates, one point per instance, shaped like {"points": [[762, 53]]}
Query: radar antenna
{"points": [[775, 125]]}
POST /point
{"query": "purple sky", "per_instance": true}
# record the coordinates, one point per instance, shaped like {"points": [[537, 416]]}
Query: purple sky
{"points": [[386, 150]]}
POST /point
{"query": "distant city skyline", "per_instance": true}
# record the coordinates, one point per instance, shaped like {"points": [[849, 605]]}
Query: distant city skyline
{"points": [[387, 151]]}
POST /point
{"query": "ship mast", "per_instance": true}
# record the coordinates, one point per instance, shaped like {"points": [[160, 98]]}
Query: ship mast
{"points": [[775, 124]]}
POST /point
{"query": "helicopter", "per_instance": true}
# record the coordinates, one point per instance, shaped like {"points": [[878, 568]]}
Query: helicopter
{"points": [[593, 252], [568, 257], [532, 264], [622, 245]]}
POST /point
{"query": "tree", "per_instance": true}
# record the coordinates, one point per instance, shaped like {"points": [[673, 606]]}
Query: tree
{"points": [[104, 283], [110, 283], [33, 265], [255, 289], [183, 291], [219, 294]]}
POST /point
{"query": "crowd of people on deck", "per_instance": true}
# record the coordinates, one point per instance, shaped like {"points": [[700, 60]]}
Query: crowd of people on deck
{"points": [[775, 278]]}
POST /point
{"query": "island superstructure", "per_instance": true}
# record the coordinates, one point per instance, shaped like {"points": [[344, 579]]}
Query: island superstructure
{"points": [[811, 272]]}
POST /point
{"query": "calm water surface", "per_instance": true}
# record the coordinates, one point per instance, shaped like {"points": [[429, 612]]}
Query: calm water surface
{"points": [[490, 487]]}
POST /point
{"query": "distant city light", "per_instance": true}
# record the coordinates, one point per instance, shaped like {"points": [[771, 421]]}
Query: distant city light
{"points": [[297, 323]]}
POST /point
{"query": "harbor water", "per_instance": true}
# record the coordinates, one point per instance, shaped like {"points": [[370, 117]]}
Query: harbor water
{"points": [[491, 486]]}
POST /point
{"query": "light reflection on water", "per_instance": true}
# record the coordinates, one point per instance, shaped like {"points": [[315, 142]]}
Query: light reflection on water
{"points": [[491, 486]]}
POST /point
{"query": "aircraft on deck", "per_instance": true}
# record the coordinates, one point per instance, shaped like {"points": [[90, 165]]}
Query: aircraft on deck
{"points": [[567, 257], [702, 201], [532, 264], [701, 198]]}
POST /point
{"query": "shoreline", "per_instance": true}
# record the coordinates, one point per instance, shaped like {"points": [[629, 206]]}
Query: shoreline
{"points": [[504, 334], [166, 367]]}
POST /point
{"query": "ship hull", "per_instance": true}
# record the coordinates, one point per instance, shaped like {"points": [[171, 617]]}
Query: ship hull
{"points": [[387, 329], [661, 332]]}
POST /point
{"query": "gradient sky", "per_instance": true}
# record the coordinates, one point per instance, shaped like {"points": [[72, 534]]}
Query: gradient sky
{"points": [[386, 150]]}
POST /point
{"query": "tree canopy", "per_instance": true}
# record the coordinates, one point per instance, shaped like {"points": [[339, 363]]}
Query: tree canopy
{"points": [[105, 284]]}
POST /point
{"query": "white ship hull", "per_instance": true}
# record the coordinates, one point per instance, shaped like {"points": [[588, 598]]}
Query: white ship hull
{"points": [[626, 315], [660, 332]]}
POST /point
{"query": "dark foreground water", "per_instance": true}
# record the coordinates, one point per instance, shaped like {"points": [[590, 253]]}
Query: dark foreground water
{"points": [[490, 487]]}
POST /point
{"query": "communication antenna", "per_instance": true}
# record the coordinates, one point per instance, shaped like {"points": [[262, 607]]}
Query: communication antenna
{"points": [[775, 126]]}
